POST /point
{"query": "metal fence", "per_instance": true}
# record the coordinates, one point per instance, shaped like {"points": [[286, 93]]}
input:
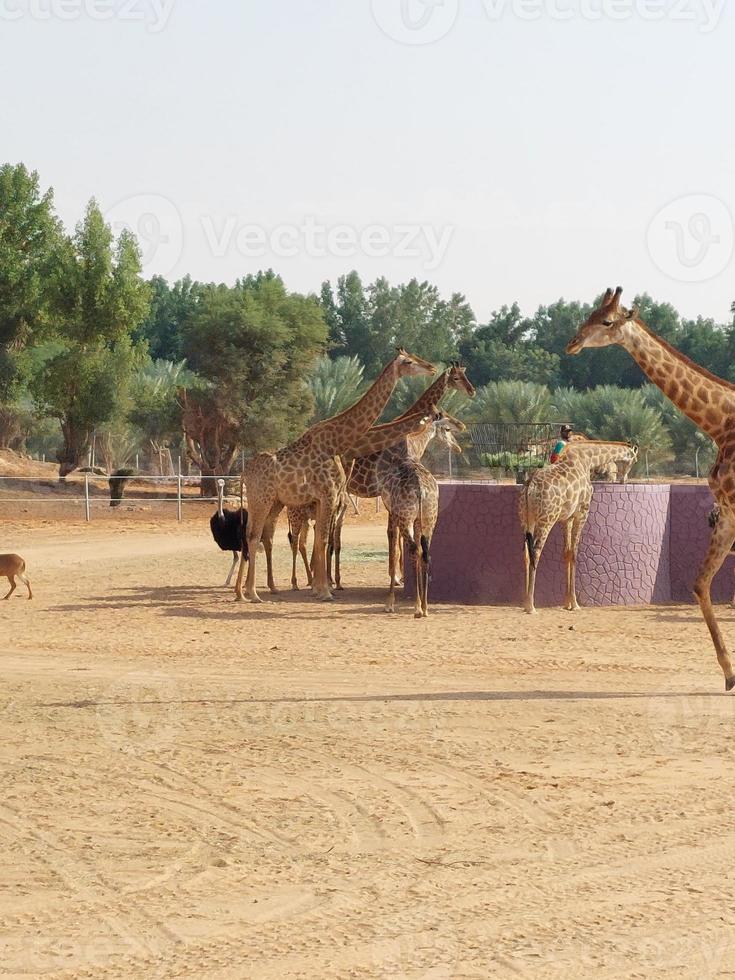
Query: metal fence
{"points": [[91, 490]]}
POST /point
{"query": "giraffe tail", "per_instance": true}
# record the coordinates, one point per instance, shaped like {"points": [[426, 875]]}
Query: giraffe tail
{"points": [[530, 541]]}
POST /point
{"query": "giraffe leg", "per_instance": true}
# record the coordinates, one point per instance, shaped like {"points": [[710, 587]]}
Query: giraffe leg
{"points": [[324, 516], [426, 561], [24, 580], [579, 521], [308, 565], [256, 524], [268, 534], [233, 566], [720, 544], [294, 533], [399, 561], [419, 573], [570, 600], [393, 532], [11, 579], [542, 533], [338, 548]]}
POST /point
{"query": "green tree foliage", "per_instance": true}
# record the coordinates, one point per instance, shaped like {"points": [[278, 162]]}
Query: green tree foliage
{"points": [[512, 401], [368, 323], [502, 349], [252, 346], [29, 237], [170, 307], [691, 446], [99, 300], [335, 385], [617, 414]]}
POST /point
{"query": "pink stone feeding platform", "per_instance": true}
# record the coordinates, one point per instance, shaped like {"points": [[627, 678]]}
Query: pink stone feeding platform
{"points": [[643, 544]]}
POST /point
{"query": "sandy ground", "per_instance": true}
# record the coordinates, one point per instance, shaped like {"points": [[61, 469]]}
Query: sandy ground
{"points": [[192, 788]]}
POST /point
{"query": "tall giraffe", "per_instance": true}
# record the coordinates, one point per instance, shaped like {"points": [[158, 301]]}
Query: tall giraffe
{"points": [[374, 440], [364, 480], [411, 497], [562, 492], [708, 401], [310, 469]]}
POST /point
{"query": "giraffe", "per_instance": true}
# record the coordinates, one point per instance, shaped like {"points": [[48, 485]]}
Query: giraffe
{"points": [[364, 480], [708, 401], [310, 469], [374, 440], [562, 492], [411, 497]]}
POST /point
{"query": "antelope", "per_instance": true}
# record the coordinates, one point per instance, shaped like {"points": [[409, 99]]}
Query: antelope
{"points": [[12, 567]]}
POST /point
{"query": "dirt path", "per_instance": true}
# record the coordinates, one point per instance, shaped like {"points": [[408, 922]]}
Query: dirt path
{"points": [[192, 788]]}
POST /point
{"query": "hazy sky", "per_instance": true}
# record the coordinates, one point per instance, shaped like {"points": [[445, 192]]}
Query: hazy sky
{"points": [[507, 149]]}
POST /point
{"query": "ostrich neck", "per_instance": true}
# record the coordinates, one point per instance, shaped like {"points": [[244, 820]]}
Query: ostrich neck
{"points": [[708, 401]]}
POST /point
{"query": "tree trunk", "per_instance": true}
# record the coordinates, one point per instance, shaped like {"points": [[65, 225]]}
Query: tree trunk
{"points": [[11, 435], [75, 449]]}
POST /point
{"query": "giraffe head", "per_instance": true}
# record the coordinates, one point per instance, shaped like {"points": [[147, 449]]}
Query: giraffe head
{"points": [[446, 427], [409, 365], [605, 326], [458, 380]]}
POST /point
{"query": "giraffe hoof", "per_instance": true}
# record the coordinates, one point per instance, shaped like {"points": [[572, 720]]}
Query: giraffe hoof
{"points": [[730, 684], [418, 615]]}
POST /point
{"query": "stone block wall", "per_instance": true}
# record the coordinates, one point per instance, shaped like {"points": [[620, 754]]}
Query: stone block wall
{"points": [[642, 544]]}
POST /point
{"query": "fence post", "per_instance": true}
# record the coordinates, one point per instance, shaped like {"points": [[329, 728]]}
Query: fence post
{"points": [[696, 461], [87, 509], [648, 475], [451, 474], [178, 494]]}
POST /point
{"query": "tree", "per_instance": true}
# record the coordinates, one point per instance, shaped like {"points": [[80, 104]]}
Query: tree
{"points": [[170, 307], [615, 414], [512, 402], [335, 385], [691, 446], [370, 323], [252, 346], [29, 237], [99, 300]]}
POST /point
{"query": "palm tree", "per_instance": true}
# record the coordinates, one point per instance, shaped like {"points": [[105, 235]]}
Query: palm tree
{"points": [[512, 402], [335, 385], [613, 413]]}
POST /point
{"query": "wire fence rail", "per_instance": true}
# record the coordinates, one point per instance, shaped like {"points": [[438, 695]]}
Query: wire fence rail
{"points": [[80, 492]]}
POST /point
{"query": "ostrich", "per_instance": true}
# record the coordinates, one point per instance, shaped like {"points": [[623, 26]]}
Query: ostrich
{"points": [[228, 530]]}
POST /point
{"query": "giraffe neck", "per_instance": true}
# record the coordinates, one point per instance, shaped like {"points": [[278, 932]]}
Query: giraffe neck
{"points": [[385, 436], [431, 397], [593, 455], [707, 400], [419, 443], [336, 435]]}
